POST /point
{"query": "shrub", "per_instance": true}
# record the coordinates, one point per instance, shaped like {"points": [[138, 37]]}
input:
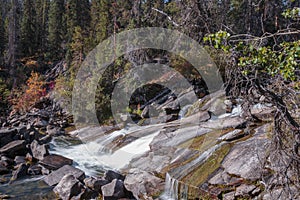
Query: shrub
{"points": [[27, 96]]}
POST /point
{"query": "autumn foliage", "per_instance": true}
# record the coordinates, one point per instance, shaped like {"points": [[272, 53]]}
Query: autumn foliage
{"points": [[35, 88]]}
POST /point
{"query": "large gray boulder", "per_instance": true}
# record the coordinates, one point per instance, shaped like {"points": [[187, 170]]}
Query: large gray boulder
{"points": [[68, 187], [113, 190], [38, 151], [54, 177], [6, 136], [95, 183], [142, 183], [54, 162], [14, 148], [245, 158]]}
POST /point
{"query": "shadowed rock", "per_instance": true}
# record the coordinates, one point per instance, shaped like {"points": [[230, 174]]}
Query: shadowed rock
{"points": [[54, 162], [54, 177], [143, 183], [68, 187], [14, 148], [113, 190], [38, 151]]}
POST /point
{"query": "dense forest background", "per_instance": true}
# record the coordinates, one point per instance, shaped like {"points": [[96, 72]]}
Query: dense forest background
{"points": [[38, 35]]}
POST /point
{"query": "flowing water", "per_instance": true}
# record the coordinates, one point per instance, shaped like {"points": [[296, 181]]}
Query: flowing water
{"points": [[183, 111], [94, 157]]}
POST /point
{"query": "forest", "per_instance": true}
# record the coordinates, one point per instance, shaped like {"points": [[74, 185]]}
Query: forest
{"points": [[254, 43]]}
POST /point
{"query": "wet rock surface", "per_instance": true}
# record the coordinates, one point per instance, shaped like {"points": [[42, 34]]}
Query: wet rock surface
{"points": [[54, 162], [142, 183], [54, 178], [68, 187]]}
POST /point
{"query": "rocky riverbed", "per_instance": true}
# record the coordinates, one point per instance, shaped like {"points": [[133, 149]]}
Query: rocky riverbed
{"points": [[201, 154]]}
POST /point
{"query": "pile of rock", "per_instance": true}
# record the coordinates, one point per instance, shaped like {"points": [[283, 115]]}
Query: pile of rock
{"points": [[24, 139], [71, 183], [45, 116]]}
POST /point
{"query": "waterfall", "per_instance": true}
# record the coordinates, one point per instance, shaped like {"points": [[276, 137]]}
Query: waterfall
{"points": [[183, 111], [174, 189], [171, 189], [172, 184], [102, 142]]}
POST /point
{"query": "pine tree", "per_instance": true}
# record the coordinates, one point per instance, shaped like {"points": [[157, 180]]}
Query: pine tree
{"points": [[2, 36], [105, 21], [95, 26], [28, 29], [77, 14], [55, 30], [42, 8], [13, 32], [77, 46]]}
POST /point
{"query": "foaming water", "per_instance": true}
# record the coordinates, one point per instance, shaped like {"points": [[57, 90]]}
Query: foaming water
{"points": [[93, 157], [171, 188], [174, 188], [183, 111], [236, 111]]}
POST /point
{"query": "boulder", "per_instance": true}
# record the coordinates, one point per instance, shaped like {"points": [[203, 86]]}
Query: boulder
{"points": [[86, 194], [14, 148], [222, 178], [54, 162], [40, 123], [229, 196], [224, 123], [68, 187], [142, 183], [95, 183], [54, 177], [38, 151], [245, 159], [113, 190], [45, 171], [244, 190], [19, 159], [111, 175], [263, 112], [20, 172], [6, 136], [53, 130], [35, 170]]}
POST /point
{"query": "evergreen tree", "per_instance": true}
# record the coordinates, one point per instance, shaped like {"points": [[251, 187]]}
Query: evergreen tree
{"points": [[55, 30], [2, 36], [42, 8], [28, 29], [13, 41], [105, 21], [77, 14], [95, 25]]}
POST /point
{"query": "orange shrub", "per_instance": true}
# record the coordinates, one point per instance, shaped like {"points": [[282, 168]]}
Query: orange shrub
{"points": [[34, 90]]}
